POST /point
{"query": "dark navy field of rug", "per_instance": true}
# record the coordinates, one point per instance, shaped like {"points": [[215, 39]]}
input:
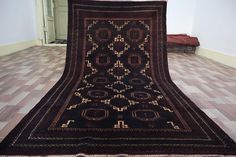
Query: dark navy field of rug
{"points": [[116, 95]]}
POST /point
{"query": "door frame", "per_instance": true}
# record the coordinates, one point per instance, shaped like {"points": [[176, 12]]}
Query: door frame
{"points": [[49, 20], [40, 11]]}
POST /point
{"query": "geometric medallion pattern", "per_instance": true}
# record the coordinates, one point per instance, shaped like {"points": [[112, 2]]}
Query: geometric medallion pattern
{"points": [[116, 95], [117, 89]]}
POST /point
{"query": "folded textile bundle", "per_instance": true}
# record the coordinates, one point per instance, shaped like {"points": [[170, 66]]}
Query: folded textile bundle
{"points": [[182, 43], [182, 39]]}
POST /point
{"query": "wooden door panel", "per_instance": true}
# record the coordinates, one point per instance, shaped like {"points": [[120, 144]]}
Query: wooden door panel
{"points": [[61, 14]]}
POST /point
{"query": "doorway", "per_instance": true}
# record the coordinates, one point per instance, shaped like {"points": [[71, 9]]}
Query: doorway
{"points": [[55, 13]]}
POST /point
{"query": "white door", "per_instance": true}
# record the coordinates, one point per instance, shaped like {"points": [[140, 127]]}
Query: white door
{"points": [[49, 22], [61, 17]]}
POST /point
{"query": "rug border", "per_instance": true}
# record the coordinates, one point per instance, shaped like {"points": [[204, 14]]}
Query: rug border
{"points": [[177, 90]]}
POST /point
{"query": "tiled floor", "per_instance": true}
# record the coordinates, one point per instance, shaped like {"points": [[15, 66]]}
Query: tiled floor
{"points": [[26, 76]]}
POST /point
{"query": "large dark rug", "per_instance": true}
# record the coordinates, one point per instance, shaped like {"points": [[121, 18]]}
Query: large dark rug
{"points": [[116, 95]]}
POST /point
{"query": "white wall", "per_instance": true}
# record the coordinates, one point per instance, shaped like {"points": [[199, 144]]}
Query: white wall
{"points": [[17, 21], [212, 21], [180, 15], [215, 25]]}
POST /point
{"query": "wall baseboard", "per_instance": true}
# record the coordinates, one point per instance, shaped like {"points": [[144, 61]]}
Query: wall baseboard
{"points": [[11, 48], [217, 56]]}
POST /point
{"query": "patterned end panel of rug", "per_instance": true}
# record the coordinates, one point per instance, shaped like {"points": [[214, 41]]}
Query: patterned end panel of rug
{"points": [[116, 95]]}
